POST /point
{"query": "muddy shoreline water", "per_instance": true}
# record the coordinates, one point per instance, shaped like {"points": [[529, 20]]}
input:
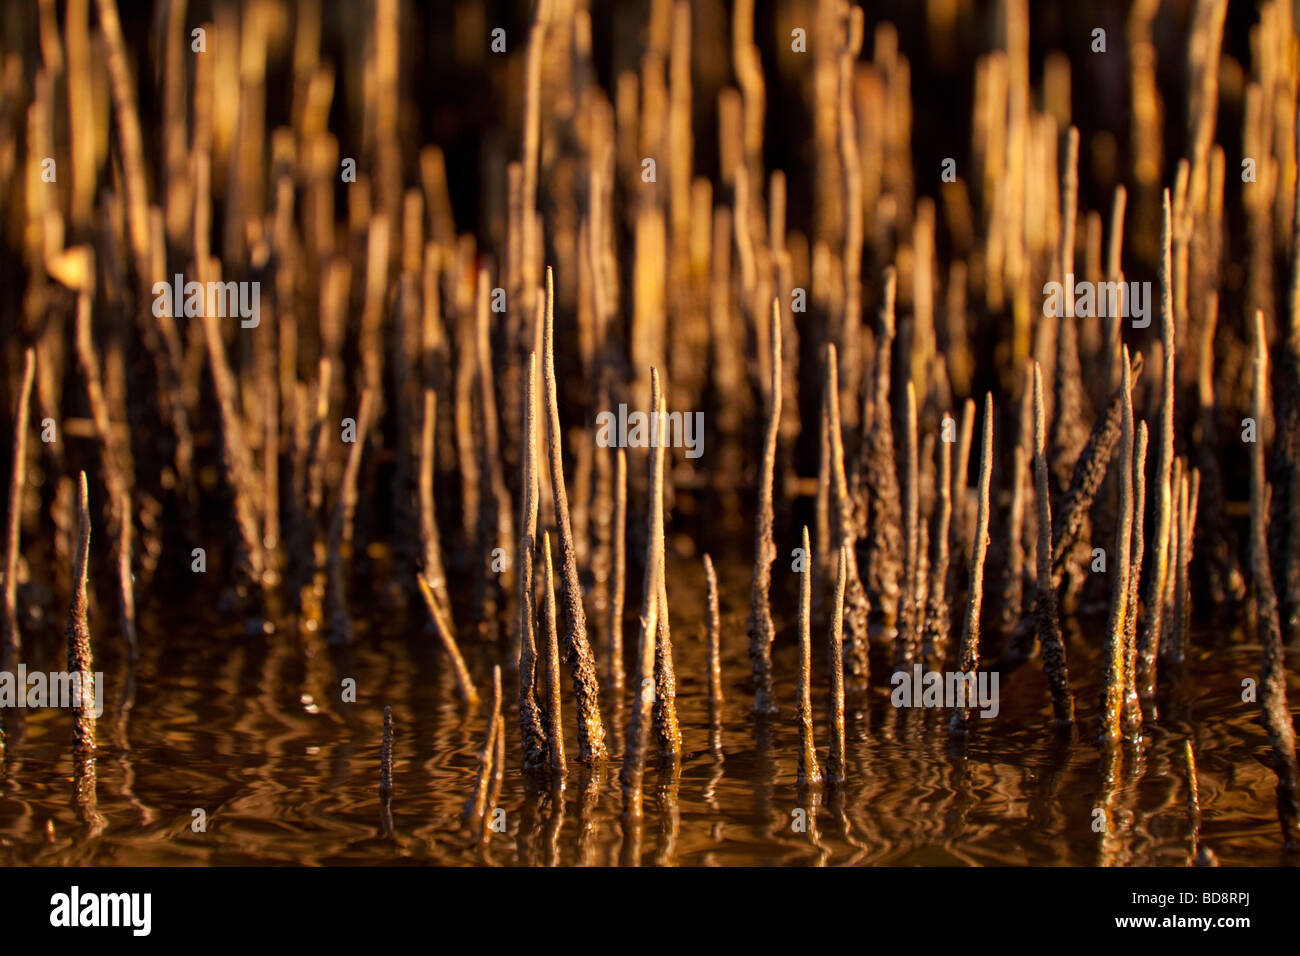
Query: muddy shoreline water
{"points": [[243, 728]]}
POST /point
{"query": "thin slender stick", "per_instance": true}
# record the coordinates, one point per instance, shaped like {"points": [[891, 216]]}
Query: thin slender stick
{"points": [[633, 768], [961, 529], [1114, 273], [499, 510], [463, 680], [339, 621], [81, 663], [533, 734], [77, 632], [1114, 692], [431, 549], [761, 629], [1067, 438], [1012, 598], [1049, 627], [908, 643], [856, 652], [313, 497], [970, 635], [1272, 676], [494, 528], [468, 460], [1132, 702], [836, 765], [1187, 505], [554, 725], [236, 457], [128, 132], [665, 709], [1199, 855], [934, 646], [532, 141], [498, 757], [386, 757], [617, 596], [1168, 637], [476, 806], [531, 729], [714, 639], [809, 772], [851, 178], [577, 651], [11, 647], [1158, 572]]}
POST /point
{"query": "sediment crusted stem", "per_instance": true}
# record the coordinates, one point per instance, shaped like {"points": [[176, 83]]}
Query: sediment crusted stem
{"points": [[714, 639], [809, 771], [633, 769], [970, 635], [836, 765], [1045, 617], [1157, 573], [1272, 677], [1114, 690], [577, 650], [761, 629]]}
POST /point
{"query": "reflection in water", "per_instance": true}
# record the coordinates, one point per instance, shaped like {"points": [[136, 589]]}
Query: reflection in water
{"points": [[257, 732]]}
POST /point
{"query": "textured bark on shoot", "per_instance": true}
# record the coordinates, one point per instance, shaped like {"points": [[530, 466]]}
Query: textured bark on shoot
{"points": [[716, 698], [857, 661], [386, 757], [761, 629], [934, 645], [633, 769], [618, 577], [448, 639], [665, 710], [533, 734], [970, 634], [81, 662], [577, 650], [1089, 473], [1045, 612], [1272, 678], [1132, 702], [876, 491], [908, 643], [551, 645], [1114, 689], [836, 765], [1157, 572], [809, 771]]}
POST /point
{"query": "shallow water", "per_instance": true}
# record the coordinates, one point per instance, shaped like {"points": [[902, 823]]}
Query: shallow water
{"points": [[244, 728]]}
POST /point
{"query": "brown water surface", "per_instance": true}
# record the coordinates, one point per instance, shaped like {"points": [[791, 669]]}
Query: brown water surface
{"points": [[246, 728]]}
